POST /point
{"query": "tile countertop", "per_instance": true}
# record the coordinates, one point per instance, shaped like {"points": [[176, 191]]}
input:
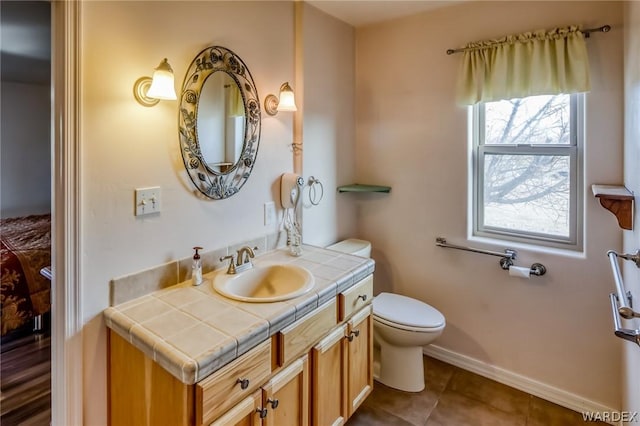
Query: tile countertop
{"points": [[193, 331]]}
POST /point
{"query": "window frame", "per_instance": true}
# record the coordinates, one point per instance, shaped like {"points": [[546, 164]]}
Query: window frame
{"points": [[574, 151]]}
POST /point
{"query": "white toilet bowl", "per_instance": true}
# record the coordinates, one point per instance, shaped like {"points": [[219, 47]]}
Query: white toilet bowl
{"points": [[401, 327]]}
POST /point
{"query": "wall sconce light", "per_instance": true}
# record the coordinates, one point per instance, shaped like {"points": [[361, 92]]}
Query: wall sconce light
{"points": [[148, 91], [286, 102]]}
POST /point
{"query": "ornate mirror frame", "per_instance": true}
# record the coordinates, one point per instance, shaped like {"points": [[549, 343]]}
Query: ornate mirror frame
{"points": [[212, 184]]}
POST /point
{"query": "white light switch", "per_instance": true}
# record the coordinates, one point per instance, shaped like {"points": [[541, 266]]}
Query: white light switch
{"points": [[269, 213], [147, 200]]}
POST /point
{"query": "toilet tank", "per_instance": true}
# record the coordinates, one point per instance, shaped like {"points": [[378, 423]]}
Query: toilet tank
{"points": [[353, 246]]}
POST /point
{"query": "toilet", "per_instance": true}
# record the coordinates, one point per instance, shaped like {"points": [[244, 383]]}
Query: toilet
{"points": [[401, 327]]}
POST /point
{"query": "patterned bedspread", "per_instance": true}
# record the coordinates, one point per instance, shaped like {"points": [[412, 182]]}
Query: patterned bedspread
{"points": [[25, 248]]}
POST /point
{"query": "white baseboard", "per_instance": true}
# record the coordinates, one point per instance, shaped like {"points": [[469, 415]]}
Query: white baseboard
{"points": [[517, 381]]}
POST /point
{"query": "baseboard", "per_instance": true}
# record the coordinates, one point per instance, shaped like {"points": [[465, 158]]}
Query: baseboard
{"points": [[517, 381]]}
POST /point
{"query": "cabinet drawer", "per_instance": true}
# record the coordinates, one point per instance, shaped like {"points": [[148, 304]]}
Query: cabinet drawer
{"points": [[299, 336], [221, 390], [245, 412], [354, 298]]}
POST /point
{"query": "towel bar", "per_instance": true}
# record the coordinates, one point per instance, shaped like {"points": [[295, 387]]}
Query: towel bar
{"points": [[623, 333], [507, 257], [624, 298]]}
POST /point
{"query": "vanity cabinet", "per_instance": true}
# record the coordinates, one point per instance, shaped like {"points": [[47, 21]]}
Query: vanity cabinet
{"points": [[316, 371], [342, 370]]}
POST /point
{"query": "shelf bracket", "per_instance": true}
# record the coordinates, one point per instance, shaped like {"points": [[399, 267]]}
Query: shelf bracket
{"points": [[618, 200]]}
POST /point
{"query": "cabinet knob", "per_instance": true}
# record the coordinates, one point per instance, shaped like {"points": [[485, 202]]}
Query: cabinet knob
{"points": [[262, 412], [244, 383], [363, 297], [274, 403], [352, 334]]}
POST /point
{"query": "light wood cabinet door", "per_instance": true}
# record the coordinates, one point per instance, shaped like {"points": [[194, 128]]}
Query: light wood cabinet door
{"points": [[286, 396], [329, 380], [245, 413], [360, 359], [141, 392]]}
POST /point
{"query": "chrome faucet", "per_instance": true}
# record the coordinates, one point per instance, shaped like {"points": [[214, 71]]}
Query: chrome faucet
{"points": [[243, 260]]}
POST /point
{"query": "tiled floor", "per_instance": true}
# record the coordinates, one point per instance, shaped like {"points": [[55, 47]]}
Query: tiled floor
{"points": [[456, 397]]}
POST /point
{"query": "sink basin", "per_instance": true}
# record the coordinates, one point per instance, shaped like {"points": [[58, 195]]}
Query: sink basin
{"points": [[265, 283]]}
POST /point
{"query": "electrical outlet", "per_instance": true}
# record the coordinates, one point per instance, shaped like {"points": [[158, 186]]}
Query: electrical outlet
{"points": [[147, 201], [269, 213]]}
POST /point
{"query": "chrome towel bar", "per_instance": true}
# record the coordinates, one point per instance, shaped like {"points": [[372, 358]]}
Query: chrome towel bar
{"points": [[624, 298], [622, 301], [623, 333], [507, 257], [508, 253]]}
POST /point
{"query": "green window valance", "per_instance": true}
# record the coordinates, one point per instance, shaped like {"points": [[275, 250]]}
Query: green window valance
{"points": [[544, 62]]}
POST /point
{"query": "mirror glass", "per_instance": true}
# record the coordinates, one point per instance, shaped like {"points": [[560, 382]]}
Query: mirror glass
{"points": [[219, 122], [220, 129]]}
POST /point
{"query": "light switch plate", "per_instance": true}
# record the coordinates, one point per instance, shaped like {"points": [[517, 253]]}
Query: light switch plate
{"points": [[147, 201]]}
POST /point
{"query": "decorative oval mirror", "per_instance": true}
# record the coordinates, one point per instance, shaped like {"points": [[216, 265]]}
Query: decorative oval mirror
{"points": [[219, 122]]}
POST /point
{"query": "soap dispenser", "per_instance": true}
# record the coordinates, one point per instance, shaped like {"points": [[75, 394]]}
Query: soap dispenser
{"points": [[196, 268]]}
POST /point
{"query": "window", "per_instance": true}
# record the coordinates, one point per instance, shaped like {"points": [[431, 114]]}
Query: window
{"points": [[527, 157]]}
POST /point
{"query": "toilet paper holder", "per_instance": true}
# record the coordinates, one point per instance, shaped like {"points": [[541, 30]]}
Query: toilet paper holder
{"points": [[506, 258], [537, 269]]}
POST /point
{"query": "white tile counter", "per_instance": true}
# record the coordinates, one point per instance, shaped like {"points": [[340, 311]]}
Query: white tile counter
{"points": [[193, 331]]}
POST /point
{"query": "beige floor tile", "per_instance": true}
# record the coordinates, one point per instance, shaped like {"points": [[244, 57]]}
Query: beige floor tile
{"points": [[454, 409], [437, 374], [410, 406], [492, 393], [371, 416]]}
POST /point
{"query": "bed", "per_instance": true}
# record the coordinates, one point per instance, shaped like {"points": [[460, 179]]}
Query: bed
{"points": [[25, 249]]}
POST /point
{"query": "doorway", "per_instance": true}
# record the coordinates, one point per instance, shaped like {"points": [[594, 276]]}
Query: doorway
{"points": [[25, 211]]}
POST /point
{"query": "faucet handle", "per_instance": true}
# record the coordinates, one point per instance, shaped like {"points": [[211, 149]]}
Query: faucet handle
{"points": [[231, 269]]}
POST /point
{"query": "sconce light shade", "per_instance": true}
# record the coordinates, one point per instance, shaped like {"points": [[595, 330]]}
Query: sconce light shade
{"points": [[287, 99], [286, 102], [162, 86], [148, 92]]}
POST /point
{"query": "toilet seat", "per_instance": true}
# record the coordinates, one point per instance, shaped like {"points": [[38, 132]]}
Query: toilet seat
{"points": [[406, 313], [407, 327]]}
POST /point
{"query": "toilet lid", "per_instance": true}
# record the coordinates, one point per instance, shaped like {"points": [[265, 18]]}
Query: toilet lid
{"points": [[404, 310]]}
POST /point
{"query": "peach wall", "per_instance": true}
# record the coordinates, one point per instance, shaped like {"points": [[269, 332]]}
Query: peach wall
{"points": [[631, 353], [125, 146], [553, 330], [328, 125]]}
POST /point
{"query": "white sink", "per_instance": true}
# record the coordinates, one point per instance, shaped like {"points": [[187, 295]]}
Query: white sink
{"points": [[265, 283]]}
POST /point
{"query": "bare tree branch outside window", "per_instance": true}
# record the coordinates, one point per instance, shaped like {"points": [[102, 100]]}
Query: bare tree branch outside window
{"points": [[526, 191]]}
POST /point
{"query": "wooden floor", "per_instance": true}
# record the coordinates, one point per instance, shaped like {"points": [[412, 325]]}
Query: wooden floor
{"points": [[25, 368]]}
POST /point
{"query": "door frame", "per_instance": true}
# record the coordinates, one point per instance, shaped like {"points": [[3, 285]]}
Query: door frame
{"points": [[66, 309]]}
